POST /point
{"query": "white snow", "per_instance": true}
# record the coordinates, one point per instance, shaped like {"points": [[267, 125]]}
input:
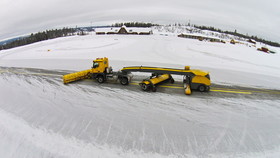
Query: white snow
{"points": [[42, 117]]}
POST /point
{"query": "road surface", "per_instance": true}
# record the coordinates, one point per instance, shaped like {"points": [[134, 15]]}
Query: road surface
{"points": [[175, 89]]}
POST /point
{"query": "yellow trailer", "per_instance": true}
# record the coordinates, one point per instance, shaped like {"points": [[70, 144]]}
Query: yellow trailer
{"points": [[193, 79]]}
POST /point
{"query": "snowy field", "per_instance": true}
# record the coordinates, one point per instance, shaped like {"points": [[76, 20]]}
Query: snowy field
{"points": [[42, 117], [227, 63]]}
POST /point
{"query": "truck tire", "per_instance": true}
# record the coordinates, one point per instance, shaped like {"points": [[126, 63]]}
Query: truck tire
{"points": [[201, 88], [100, 79], [207, 89], [124, 81]]}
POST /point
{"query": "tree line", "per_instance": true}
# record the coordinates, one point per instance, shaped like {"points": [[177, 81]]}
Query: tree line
{"points": [[235, 33], [40, 36], [134, 24]]}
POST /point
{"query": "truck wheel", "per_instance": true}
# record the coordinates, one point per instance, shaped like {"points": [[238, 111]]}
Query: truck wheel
{"points": [[207, 89], [100, 79], [202, 88], [145, 87], [124, 81]]}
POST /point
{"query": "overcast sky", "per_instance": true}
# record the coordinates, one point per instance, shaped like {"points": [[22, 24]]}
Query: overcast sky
{"points": [[255, 17]]}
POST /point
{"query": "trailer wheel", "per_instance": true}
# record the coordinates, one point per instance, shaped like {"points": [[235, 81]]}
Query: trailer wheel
{"points": [[154, 89], [172, 80], [144, 87], [201, 88], [100, 79], [124, 81]]}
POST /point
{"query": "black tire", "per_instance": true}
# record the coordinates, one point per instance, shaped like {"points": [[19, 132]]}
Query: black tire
{"points": [[154, 89], [100, 79], [207, 89], [144, 87], [201, 88], [172, 80], [124, 81]]}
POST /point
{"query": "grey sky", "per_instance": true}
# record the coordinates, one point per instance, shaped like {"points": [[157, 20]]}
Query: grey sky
{"points": [[255, 17]]}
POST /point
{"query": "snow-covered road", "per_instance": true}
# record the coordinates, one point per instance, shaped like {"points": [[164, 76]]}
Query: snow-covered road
{"points": [[45, 118]]}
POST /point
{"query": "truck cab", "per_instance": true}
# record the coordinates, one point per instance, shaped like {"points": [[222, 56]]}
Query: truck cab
{"points": [[100, 65]]}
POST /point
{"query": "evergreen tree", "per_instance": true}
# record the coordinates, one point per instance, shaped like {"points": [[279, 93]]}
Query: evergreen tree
{"points": [[40, 36]]}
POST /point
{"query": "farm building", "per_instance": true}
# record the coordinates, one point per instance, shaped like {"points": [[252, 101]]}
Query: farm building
{"points": [[123, 30], [251, 41], [199, 37]]}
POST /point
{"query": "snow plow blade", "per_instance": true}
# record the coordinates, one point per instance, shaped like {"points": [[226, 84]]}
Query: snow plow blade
{"points": [[76, 76]]}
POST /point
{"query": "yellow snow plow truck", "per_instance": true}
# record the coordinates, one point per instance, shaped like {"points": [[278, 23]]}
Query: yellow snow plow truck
{"points": [[192, 79], [100, 71]]}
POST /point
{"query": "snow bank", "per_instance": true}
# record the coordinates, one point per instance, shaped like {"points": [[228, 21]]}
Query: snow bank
{"points": [[19, 139]]}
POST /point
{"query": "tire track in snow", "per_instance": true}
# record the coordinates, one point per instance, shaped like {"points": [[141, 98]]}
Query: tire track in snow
{"points": [[221, 135], [50, 143]]}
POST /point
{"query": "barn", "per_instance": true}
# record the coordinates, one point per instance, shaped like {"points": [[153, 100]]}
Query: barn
{"points": [[199, 37]]}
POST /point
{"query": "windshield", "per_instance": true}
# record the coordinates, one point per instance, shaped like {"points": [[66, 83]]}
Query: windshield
{"points": [[95, 65]]}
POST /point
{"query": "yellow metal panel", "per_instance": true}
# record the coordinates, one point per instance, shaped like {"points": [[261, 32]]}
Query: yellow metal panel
{"points": [[146, 82], [199, 72], [201, 80], [196, 72], [153, 68], [160, 78]]}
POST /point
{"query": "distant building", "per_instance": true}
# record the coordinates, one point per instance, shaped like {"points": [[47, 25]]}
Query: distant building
{"points": [[232, 41], [199, 37], [264, 49], [123, 31], [252, 41]]}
